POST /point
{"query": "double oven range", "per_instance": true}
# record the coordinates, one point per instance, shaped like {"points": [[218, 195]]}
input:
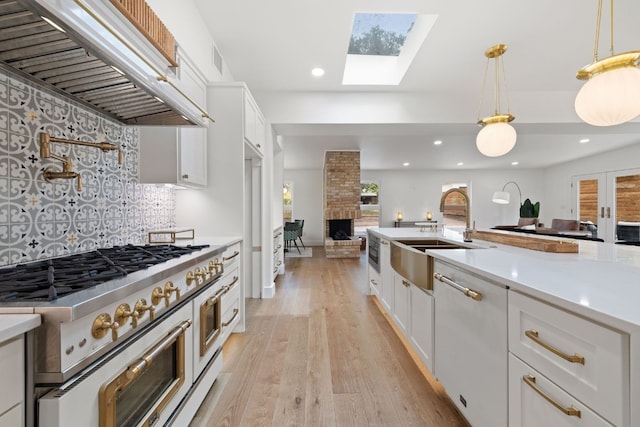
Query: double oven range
{"points": [[130, 335]]}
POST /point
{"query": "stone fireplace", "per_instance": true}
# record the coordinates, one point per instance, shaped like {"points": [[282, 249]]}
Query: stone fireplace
{"points": [[341, 203]]}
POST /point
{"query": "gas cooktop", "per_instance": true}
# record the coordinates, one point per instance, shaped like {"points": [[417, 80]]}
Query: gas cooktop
{"points": [[50, 279]]}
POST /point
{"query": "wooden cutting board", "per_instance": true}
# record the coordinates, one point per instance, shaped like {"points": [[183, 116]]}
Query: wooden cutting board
{"points": [[535, 243]]}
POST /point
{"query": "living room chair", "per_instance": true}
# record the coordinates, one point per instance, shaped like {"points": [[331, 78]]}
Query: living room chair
{"points": [[300, 223], [291, 230]]}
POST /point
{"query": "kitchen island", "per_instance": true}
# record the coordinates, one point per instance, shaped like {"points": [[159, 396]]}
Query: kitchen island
{"points": [[547, 306]]}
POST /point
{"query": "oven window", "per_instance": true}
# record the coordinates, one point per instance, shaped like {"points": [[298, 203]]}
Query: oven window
{"points": [[212, 316], [142, 393]]}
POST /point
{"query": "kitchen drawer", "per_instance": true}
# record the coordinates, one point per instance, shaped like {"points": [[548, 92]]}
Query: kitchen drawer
{"points": [[231, 256], [12, 373], [528, 408], [602, 382], [230, 310], [13, 417], [374, 280]]}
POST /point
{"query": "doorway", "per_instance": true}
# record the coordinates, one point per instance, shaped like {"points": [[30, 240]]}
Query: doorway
{"points": [[608, 203]]}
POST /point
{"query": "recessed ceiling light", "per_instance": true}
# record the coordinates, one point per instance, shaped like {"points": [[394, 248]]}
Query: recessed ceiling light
{"points": [[317, 72], [584, 140], [405, 164], [437, 142], [460, 164], [515, 163]]}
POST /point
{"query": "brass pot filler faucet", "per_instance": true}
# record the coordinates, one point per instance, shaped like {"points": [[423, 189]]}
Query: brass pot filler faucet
{"points": [[67, 172]]}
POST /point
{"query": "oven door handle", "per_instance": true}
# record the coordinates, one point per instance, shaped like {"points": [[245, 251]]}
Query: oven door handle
{"points": [[139, 366]]}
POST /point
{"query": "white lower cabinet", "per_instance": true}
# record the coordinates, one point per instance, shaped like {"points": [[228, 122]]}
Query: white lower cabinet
{"points": [[588, 361], [12, 380], [535, 401], [421, 324], [471, 344], [374, 281], [401, 302], [386, 276]]}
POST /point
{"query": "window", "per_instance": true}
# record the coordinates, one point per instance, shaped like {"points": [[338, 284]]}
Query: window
{"points": [[369, 207], [287, 202]]}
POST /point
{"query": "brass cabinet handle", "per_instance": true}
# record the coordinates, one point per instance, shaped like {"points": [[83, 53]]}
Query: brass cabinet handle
{"points": [[571, 411], [601, 211], [532, 334], [405, 283], [235, 254], [373, 282], [608, 212], [235, 313], [477, 296]]}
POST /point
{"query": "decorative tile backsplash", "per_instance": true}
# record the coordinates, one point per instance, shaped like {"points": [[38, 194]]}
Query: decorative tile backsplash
{"points": [[40, 219]]}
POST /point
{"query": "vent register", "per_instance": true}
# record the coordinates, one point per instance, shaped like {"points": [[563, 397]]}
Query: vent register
{"points": [[35, 50]]}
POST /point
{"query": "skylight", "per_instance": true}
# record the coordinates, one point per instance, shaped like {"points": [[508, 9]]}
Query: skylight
{"points": [[383, 45], [380, 33]]}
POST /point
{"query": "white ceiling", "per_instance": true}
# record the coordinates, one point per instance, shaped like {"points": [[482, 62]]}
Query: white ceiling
{"points": [[273, 45]]}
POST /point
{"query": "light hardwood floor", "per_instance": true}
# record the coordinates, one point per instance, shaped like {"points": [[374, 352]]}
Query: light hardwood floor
{"points": [[321, 354]]}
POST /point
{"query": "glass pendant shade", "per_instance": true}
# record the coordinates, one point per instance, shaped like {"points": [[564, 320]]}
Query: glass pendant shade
{"points": [[496, 139], [610, 98]]}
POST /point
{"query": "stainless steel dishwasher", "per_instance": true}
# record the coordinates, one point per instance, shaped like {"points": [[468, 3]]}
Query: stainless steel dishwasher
{"points": [[471, 344]]}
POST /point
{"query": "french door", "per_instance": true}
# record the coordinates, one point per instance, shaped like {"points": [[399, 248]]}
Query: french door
{"points": [[610, 201]]}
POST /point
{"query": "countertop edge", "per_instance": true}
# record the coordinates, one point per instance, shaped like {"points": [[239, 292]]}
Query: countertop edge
{"points": [[12, 325]]}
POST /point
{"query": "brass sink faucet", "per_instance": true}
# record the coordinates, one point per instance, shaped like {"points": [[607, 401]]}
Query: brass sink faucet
{"points": [[67, 166]]}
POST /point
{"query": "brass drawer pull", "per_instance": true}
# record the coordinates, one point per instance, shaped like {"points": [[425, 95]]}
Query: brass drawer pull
{"points": [[373, 282], [405, 283], [571, 411], [532, 334], [477, 296], [235, 313], [235, 254]]}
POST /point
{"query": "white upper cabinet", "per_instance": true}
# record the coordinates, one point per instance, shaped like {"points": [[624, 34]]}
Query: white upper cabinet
{"points": [[170, 155], [254, 124]]}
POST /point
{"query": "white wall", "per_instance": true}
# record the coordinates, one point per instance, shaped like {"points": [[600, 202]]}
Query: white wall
{"points": [[416, 192], [307, 203]]}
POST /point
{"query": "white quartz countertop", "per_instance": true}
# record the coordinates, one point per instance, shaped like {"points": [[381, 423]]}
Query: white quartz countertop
{"points": [[601, 281], [12, 325]]}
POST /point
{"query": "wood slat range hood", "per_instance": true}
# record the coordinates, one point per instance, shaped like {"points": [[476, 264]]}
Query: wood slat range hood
{"points": [[94, 55]]}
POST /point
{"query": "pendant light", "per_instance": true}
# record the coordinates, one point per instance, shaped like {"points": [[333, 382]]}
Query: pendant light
{"points": [[611, 95], [497, 137]]}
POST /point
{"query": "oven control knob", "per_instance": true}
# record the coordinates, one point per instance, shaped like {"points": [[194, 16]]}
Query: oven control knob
{"points": [[141, 307], [101, 326], [190, 277], [199, 273], [69, 350], [158, 294], [123, 313], [170, 288], [215, 265]]}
